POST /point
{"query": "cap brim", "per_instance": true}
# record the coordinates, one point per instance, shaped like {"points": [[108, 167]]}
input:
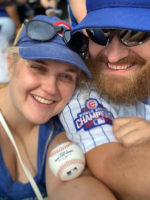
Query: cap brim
{"points": [[52, 51], [129, 18]]}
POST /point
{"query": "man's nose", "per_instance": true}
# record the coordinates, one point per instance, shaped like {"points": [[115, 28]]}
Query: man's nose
{"points": [[115, 50]]}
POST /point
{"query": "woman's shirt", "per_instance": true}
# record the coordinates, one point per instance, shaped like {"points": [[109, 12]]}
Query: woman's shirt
{"points": [[14, 190]]}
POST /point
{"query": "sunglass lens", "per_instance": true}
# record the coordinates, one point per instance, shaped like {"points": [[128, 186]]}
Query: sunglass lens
{"points": [[133, 38], [67, 35], [77, 42], [40, 30], [97, 35]]}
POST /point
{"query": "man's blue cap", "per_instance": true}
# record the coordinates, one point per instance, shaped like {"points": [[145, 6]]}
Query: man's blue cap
{"points": [[129, 14], [54, 49]]}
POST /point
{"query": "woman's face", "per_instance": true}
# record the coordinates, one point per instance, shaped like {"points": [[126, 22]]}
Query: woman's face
{"points": [[40, 90]]}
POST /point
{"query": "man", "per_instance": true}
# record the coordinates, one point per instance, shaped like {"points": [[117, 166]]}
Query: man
{"points": [[120, 63]]}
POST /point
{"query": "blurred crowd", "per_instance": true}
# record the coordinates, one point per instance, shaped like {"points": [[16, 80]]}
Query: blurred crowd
{"points": [[14, 12]]}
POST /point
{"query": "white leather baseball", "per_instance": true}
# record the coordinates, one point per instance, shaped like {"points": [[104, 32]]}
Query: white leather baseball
{"points": [[67, 161]]}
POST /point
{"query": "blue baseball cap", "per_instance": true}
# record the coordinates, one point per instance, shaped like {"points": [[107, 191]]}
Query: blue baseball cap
{"points": [[129, 14], [54, 49]]}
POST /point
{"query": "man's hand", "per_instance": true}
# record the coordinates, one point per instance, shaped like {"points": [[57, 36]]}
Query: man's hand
{"points": [[131, 130]]}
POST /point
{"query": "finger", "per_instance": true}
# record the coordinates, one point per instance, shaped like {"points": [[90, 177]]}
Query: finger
{"points": [[118, 122], [128, 125], [123, 130], [134, 137]]}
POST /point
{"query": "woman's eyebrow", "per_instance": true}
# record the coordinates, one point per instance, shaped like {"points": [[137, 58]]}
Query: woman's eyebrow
{"points": [[46, 62], [43, 62]]}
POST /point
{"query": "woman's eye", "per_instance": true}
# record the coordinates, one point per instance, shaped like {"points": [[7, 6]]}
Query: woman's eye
{"points": [[38, 67], [67, 77]]}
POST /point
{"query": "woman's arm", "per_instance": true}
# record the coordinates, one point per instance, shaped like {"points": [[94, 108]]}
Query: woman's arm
{"points": [[84, 187]]}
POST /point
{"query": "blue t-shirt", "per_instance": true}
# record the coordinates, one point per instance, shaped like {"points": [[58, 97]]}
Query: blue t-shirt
{"points": [[12, 190], [3, 12]]}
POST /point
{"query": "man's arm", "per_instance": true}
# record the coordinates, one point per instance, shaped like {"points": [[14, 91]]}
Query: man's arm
{"points": [[84, 187], [124, 170], [78, 8]]}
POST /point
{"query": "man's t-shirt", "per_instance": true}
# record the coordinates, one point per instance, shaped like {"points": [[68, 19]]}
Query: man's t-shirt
{"points": [[88, 118]]}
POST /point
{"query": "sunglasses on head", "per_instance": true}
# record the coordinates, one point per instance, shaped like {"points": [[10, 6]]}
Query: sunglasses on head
{"points": [[127, 37], [44, 31]]}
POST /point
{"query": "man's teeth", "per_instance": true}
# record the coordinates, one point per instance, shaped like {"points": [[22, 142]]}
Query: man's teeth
{"points": [[119, 67], [41, 100]]}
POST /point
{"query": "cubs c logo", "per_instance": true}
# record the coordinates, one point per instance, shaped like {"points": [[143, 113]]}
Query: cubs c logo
{"points": [[62, 24], [92, 103]]}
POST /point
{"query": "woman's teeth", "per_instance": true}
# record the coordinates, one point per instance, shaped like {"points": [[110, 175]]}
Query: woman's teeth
{"points": [[41, 100]]}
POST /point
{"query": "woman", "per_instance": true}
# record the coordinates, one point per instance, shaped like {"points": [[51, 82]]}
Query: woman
{"points": [[43, 77]]}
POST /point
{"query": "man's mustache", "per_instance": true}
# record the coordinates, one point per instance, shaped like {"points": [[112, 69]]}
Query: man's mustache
{"points": [[135, 59]]}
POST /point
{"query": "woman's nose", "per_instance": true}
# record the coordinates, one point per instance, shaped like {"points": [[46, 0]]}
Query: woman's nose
{"points": [[50, 85]]}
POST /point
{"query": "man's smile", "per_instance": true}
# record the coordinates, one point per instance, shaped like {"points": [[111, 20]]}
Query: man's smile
{"points": [[119, 67]]}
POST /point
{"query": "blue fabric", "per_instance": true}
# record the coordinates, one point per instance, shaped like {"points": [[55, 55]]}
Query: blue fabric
{"points": [[3, 13], [54, 49], [12, 190], [130, 14], [73, 20]]}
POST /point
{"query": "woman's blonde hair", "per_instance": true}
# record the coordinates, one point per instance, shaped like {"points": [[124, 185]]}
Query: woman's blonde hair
{"points": [[14, 53], [13, 50]]}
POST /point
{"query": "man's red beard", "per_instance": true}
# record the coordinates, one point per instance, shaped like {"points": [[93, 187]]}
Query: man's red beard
{"points": [[121, 90]]}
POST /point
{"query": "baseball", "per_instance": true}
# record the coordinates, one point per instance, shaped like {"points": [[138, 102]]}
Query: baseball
{"points": [[67, 161]]}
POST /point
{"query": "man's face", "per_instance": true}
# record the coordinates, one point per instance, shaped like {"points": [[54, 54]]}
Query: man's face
{"points": [[120, 72]]}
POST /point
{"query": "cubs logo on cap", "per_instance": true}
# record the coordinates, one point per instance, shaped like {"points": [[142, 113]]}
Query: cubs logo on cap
{"points": [[62, 24]]}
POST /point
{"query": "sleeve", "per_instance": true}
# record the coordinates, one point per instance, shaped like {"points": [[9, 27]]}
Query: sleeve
{"points": [[87, 120]]}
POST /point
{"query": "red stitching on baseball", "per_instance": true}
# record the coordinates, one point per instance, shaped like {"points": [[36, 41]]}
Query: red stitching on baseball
{"points": [[70, 162], [60, 149]]}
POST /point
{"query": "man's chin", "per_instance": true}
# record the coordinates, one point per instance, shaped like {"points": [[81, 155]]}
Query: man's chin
{"points": [[119, 98], [126, 95]]}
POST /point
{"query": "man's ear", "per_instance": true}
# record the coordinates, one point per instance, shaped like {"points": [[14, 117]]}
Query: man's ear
{"points": [[10, 64]]}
